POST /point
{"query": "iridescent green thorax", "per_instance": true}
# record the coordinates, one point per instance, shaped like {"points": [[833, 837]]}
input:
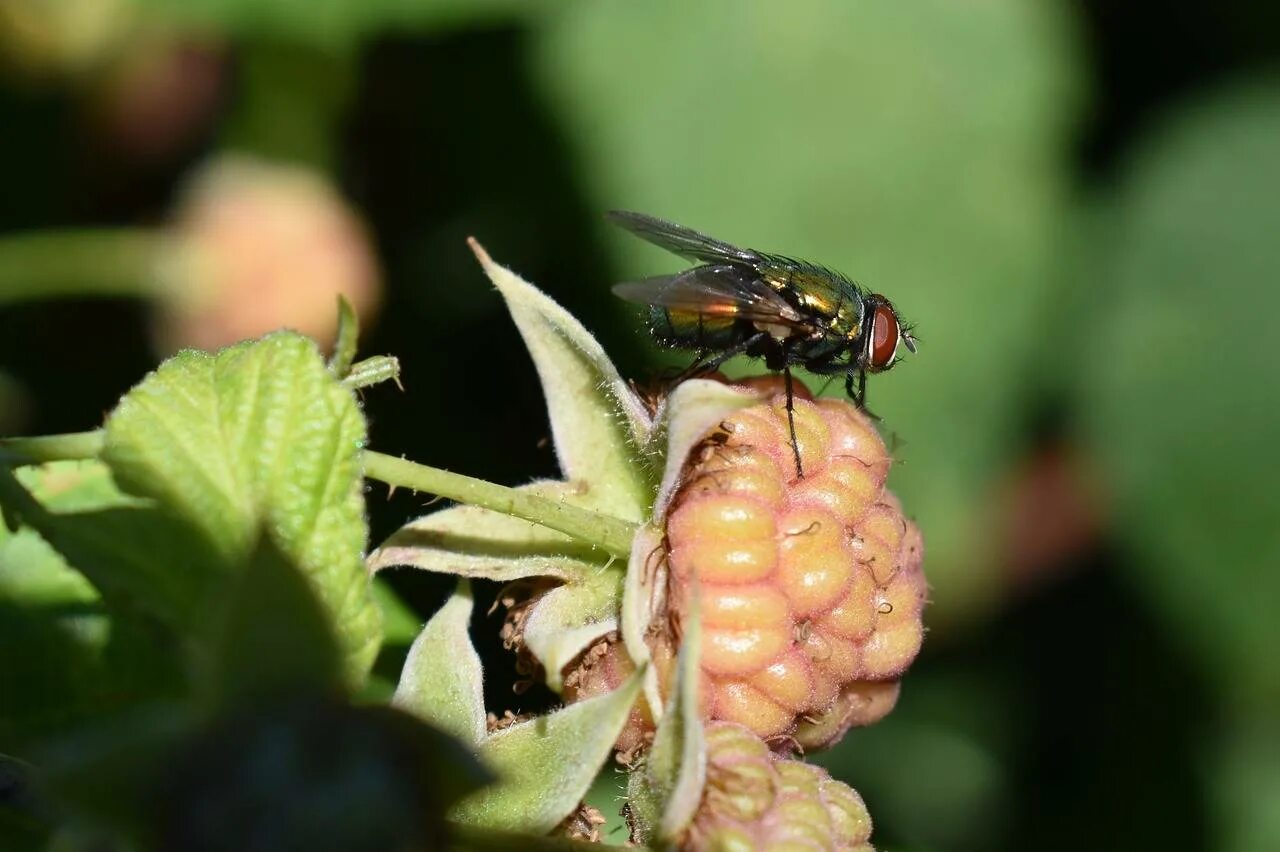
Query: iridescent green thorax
{"points": [[827, 296]]}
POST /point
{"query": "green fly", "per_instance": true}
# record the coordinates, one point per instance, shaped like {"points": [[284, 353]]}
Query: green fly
{"points": [[789, 312]]}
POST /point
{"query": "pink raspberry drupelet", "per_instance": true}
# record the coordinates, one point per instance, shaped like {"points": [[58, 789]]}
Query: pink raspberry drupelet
{"points": [[755, 800], [811, 589]]}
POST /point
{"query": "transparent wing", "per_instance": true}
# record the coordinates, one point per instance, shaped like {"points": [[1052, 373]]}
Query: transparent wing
{"points": [[681, 241], [728, 291]]}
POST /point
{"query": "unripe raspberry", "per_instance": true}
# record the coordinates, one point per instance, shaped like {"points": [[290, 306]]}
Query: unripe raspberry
{"points": [[257, 246], [754, 800], [810, 588]]}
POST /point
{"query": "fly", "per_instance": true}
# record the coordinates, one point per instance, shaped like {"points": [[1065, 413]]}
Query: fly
{"points": [[789, 312]]}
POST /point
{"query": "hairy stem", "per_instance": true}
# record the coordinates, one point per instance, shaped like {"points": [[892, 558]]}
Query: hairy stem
{"points": [[613, 535], [604, 531], [80, 262]]}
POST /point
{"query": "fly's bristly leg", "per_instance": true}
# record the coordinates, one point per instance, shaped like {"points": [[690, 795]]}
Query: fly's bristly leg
{"points": [[791, 420], [697, 368], [733, 352], [859, 396]]}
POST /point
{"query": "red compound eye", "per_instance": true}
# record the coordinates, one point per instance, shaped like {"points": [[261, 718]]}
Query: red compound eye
{"points": [[884, 336]]}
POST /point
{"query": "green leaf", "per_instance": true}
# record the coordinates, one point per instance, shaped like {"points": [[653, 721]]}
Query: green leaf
{"points": [[52, 632], [598, 423], [257, 439], [31, 572], [474, 542], [400, 623], [442, 681], [128, 552], [63, 655], [1178, 397], [271, 636], [568, 618], [922, 148], [75, 486], [546, 765], [667, 789]]}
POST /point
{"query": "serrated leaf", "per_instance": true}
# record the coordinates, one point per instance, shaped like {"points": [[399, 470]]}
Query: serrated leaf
{"points": [[474, 542], [546, 765], [667, 789], [257, 438], [598, 424], [442, 681], [568, 618]]}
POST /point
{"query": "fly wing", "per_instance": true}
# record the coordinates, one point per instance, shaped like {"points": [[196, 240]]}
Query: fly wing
{"points": [[723, 290], [681, 241]]}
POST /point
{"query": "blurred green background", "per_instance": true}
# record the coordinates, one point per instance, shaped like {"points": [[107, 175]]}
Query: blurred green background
{"points": [[1078, 204]]}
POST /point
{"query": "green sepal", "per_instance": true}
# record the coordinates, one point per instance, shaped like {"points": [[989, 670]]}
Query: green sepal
{"points": [[546, 765], [442, 681], [666, 789]]}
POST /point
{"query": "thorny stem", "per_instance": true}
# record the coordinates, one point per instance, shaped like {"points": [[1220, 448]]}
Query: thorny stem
{"points": [[78, 262], [611, 534], [604, 531]]}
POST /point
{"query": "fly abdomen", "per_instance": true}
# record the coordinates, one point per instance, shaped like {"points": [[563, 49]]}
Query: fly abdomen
{"points": [[690, 330]]}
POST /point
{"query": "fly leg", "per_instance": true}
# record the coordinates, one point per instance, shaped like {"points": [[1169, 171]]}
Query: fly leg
{"points": [[791, 420], [733, 352], [694, 369], [777, 356], [859, 396]]}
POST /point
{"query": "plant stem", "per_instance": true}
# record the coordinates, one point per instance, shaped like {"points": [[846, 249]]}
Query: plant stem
{"points": [[604, 531], [80, 262], [611, 534], [46, 448]]}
